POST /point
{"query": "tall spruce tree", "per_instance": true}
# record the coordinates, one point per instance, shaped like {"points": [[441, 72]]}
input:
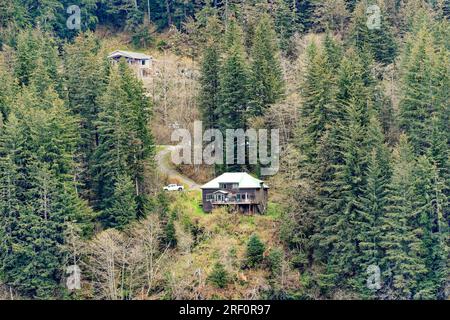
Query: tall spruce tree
{"points": [[234, 88], [402, 262], [414, 229], [318, 107], [285, 26], [125, 142], [317, 112], [33, 48], [431, 228], [209, 91], [210, 77], [267, 83], [416, 105], [346, 146], [372, 205], [85, 81], [379, 39], [123, 207]]}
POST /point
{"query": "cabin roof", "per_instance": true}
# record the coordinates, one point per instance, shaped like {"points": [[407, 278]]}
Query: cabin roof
{"points": [[129, 54], [242, 178]]}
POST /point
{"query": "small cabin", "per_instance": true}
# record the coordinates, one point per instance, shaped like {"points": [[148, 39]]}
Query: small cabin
{"points": [[139, 62], [237, 190]]}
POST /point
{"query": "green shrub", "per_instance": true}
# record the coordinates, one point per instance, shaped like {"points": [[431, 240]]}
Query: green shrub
{"points": [[219, 276], [274, 261]]}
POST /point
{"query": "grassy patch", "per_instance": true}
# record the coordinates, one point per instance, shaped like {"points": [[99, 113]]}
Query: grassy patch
{"points": [[188, 202], [274, 210]]}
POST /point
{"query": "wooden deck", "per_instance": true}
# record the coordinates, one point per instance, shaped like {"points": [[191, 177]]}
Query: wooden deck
{"points": [[246, 201]]}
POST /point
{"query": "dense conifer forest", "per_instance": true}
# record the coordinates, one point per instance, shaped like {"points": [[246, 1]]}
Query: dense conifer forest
{"points": [[359, 208]]}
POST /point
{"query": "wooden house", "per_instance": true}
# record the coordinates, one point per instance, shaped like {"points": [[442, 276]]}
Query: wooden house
{"points": [[139, 62], [237, 190]]}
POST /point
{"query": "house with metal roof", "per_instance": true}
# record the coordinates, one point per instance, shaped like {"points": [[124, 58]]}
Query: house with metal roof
{"points": [[237, 190], [139, 62]]}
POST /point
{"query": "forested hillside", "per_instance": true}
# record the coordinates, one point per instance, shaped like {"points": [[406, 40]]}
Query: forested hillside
{"points": [[359, 208]]}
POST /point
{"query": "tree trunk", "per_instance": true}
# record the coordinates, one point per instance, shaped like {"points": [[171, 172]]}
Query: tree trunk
{"points": [[169, 16]]}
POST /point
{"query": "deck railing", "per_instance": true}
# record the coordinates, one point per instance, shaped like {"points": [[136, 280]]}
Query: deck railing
{"points": [[250, 200]]}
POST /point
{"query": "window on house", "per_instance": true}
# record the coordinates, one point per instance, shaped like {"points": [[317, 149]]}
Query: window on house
{"points": [[235, 186], [143, 62]]}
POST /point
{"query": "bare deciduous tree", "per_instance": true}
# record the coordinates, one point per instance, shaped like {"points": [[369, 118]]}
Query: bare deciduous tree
{"points": [[104, 261], [127, 265]]}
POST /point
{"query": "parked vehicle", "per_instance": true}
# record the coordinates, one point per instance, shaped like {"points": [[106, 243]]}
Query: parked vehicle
{"points": [[173, 187]]}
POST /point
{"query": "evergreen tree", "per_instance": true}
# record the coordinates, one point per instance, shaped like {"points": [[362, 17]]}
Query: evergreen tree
{"points": [[10, 187], [340, 206], [275, 261], [403, 261], [354, 80], [142, 149], [285, 26], [424, 107], [234, 89], [438, 135], [333, 50], [125, 143], [414, 229], [85, 82], [43, 13], [416, 105], [209, 92], [431, 228], [36, 152], [318, 106], [36, 50], [267, 83], [438, 151], [26, 53], [234, 35], [6, 94], [35, 266], [379, 39], [110, 158], [170, 237], [255, 251], [304, 13], [372, 204], [162, 204], [346, 147], [123, 207], [219, 276], [317, 112]]}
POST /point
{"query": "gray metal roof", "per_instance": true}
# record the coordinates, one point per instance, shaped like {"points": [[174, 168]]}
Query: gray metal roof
{"points": [[129, 54], [242, 178]]}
